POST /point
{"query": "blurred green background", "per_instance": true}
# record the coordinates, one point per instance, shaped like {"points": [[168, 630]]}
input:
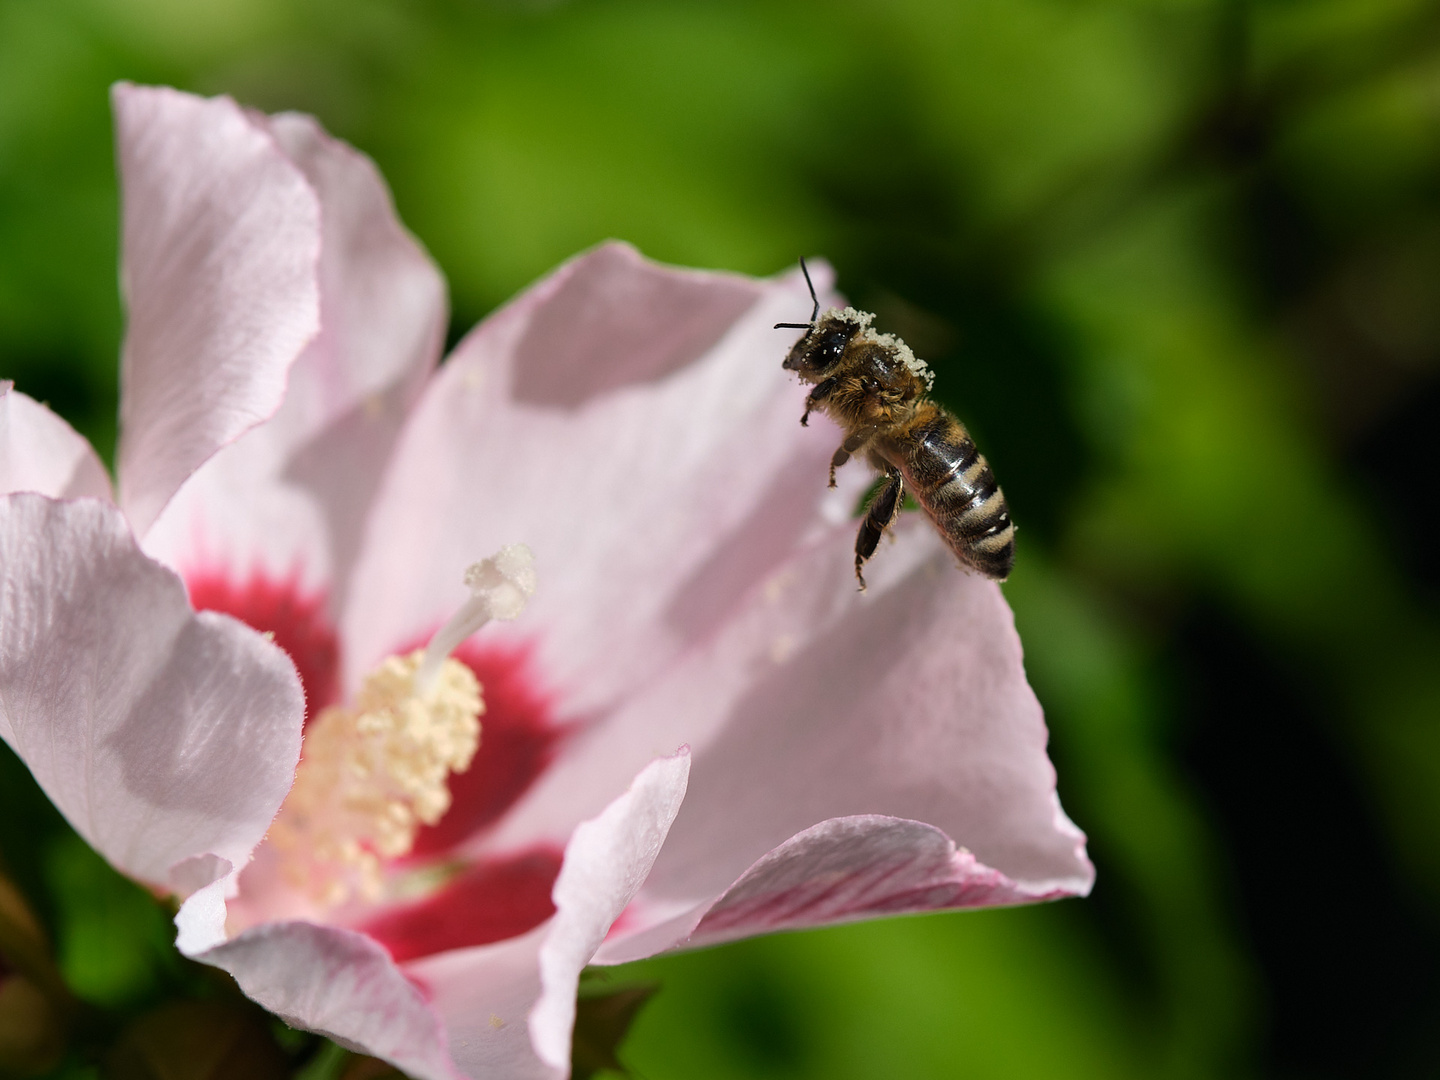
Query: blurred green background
{"points": [[1177, 263]]}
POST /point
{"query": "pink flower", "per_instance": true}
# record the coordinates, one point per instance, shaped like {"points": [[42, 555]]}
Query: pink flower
{"points": [[696, 731]]}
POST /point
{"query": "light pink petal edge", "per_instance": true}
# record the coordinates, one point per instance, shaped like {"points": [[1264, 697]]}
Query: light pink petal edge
{"points": [[167, 739], [219, 271], [40, 452], [341, 984], [606, 861], [842, 870], [291, 495], [509, 1007]]}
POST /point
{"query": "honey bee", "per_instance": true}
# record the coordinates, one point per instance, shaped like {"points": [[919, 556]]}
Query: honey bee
{"points": [[876, 389]]}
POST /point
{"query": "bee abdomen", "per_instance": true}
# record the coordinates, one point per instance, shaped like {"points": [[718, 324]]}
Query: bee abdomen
{"points": [[952, 480]]}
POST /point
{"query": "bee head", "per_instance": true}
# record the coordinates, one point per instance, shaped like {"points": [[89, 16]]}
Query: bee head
{"points": [[815, 354], [825, 339]]}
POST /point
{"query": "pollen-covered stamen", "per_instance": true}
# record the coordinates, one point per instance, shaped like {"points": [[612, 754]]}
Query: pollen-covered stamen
{"points": [[374, 772]]}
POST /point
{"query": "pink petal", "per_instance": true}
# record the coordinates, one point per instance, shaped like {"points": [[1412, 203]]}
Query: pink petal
{"points": [[292, 494], [485, 994], [341, 984], [221, 242], [817, 702], [838, 871], [606, 861], [630, 423], [167, 738], [40, 452]]}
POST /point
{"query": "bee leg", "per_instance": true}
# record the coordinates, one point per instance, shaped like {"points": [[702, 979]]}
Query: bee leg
{"points": [[882, 513], [823, 389], [842, 455]]}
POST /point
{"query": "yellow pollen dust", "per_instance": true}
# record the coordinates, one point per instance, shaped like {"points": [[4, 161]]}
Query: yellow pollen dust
{"points": [[372, 774]]}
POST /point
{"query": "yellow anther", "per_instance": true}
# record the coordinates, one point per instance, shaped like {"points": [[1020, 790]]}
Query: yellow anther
{"points": [[372, 774]]}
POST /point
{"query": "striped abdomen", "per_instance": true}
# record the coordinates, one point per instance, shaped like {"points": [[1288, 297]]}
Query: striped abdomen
{"points": [[953, 482]]}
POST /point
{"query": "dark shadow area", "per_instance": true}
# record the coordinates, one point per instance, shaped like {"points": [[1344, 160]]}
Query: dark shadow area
{"points": [[84, 397], [1350, 962], [29, 825], [1400, 464]]}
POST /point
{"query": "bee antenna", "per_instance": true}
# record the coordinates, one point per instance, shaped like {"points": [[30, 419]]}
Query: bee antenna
{"points": [[815, 312]]}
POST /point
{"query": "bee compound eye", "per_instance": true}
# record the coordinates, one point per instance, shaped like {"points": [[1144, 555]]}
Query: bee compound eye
{"points": [[831, 347]]}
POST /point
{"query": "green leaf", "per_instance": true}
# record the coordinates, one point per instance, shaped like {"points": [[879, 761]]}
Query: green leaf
{"points": [[115, 942]]}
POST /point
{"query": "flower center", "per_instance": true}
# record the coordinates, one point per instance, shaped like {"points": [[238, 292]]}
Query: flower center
{"points": [[374, 771]]}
